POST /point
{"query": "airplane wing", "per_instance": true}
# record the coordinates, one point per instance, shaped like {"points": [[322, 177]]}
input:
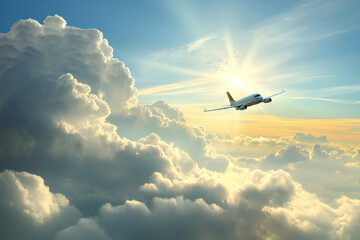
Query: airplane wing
{"points": [[215, 109], [276, 94]]}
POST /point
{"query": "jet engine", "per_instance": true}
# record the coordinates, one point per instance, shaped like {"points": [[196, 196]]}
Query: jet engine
{"points": [[242, 107], [267, 100]]}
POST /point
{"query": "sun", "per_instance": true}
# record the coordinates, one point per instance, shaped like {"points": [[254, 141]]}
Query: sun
{"points": [[236, 81], [216, 66]]}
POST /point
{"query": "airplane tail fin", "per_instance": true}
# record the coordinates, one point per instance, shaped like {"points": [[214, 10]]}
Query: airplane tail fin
{"points": [[231, 100]]}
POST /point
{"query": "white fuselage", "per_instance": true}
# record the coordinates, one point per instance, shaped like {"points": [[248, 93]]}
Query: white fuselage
{"points": [[249, 100]]}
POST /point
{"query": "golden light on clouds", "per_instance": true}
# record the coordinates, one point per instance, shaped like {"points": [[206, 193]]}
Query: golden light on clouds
{"points": [[237, 123]]}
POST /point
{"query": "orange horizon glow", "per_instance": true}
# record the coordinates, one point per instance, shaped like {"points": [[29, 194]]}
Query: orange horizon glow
{"points": [[346, 131]]}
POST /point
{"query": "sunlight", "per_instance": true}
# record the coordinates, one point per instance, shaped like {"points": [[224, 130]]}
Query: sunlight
{"points": [[237, 82], [233, 79], [216, 61]]}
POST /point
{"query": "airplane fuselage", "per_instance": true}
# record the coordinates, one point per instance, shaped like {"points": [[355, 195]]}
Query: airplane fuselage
{"points": [[249, 100]]}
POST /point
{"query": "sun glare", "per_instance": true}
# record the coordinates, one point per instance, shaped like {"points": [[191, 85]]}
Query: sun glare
{"points": [[237, 81], [227, 70]]}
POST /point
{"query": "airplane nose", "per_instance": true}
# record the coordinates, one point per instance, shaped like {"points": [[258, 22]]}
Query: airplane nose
{"points": [[259, 97]]}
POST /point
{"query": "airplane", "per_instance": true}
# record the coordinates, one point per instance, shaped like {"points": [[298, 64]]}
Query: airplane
{"points": [[245, 102]]}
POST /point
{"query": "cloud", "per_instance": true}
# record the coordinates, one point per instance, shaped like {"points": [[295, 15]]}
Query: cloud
{"points": [[169, 112], [27, 202], [69, 117], [247, 146], [312, 164], [273, 205], [310, 138], [55, 125], [303, 23], [85, 56], [289, 155], [174, 218], [85, 229], [353, 164], [311, 161], [54, 49], [326, 100], [297, 221], [198, 43]]}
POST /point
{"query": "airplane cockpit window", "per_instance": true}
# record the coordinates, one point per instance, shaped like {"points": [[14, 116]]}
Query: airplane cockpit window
{"points": [[257, 95]]}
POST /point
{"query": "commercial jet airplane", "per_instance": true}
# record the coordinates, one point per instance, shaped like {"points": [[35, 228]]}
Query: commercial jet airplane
{"points": [[245, 102]]}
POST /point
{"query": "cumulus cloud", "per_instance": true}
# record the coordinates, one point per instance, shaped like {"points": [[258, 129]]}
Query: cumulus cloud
{"points": [[328, 170], [285, 157], [308, 218], [85, 229], [69, 116], [27, 202], [59, 87], [169, 111], [272, 206], [54, 49], [310, 138], [243, 145]]}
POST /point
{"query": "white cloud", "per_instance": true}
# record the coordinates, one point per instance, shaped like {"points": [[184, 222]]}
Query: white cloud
{"points": [[285, 156], [267, 205], [54, 22], [53, 49], [37, 202], [169, 111], [310, 159], [27, 202], [198, 43], [310, 138], [52, 120]]}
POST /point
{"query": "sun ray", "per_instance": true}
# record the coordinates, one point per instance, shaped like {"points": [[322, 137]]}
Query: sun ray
{"points": [[178, 69], [163, 89], [230, 51]]}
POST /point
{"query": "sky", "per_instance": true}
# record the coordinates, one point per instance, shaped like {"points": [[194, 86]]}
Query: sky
{"points": [[189, 53], [103, 134]]}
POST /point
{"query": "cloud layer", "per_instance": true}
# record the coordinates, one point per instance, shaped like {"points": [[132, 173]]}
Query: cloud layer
{"points": [[27, 202], [82, 159]]}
